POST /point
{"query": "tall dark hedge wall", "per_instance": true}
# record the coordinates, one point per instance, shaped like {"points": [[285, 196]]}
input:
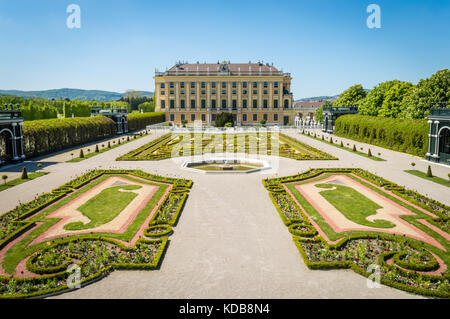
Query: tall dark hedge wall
{"points": [[404, 135], [46, 136]]}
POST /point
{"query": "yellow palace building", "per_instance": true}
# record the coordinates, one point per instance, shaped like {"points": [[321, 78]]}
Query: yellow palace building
{"points": [[252, 92]]}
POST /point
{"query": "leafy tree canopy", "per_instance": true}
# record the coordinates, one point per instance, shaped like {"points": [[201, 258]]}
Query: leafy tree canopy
{"points": [[393, 99], [353, 95], [372, 103]]}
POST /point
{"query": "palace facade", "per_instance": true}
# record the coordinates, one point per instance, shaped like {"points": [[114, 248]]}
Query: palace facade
{"points": [[252, 92]]}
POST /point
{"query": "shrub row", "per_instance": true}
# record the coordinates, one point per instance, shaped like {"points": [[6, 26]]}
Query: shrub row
{"points": [[46, 136], [139, 121], [404, 135]]}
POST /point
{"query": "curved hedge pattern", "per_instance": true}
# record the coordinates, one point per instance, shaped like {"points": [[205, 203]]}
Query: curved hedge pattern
{"points": [[404, 135]]}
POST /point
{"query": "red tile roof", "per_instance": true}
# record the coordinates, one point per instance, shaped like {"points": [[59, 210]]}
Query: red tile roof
{"points": [[228, 68]]}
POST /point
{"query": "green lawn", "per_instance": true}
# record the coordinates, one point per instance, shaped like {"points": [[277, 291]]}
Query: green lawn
{"points": [[104, 207], [375, 158], [353, 205], [18, 181], [435, 179]]}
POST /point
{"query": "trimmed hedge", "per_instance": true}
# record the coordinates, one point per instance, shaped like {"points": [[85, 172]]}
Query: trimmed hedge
{"points": [[138, 121], [404, 135], [46, 136]]}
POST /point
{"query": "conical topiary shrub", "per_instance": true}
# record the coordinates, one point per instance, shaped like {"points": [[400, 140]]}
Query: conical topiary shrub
{"points": [[128, 138], [369, 153], [429, 172], [342, 144], [81, 153], [96, 149], [354, 148], [109, 144], [24, 173]]}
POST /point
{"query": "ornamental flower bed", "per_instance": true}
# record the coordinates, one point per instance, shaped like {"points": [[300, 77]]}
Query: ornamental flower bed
{"points": [[95, 254], [404, 263], [183, 144]]}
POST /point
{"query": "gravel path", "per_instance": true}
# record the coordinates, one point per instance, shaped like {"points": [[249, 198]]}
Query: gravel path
{"points": [[230, 241]]}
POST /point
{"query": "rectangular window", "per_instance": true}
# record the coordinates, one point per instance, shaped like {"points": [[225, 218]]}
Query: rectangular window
{"points": [[183, 117], [265, 104], [182, 92], [203, 92], [255, 117], [266, 85], [234, 104], [192, 117], [163, 104], [182, 104], [213, 104], [224, 92], [193, 92], [224, 85], [203, 118], [182, 85], [234, 85], [213, 117], [275, 104], [172, 92], [233, 92], [265, 117], [244, 117], [213, 92], [255, 92], [172, 104], [265, 92], [192, 104], [244, 85], [255, 104], [163, 93], [275, 85], [192, 85], [163, 86], [244, 104], [275, 92], [172, 85], [224, 104], [244, 92], [203, 85], [255, 85], [203, 104], [286, 104], [213, 85], [172, 117], [275, 117]]}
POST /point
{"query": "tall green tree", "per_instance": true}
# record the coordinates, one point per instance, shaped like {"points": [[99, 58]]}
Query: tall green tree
{"points": [[391, 106], [435, 89], [372, 103], [353, 95]]}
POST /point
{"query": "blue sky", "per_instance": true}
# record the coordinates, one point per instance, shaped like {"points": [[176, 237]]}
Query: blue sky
{"points": [[326, 45]]}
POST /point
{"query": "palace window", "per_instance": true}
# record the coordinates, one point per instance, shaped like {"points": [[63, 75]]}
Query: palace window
{"points": [[244, 117], [265, 92], [244, 104], [203, 118], [213, 85], [203, 85], [182, 85], [244, 85], [255, 117], [275, 117], [182, 92], [192, 92], [265, 117], [172, 92], [275, 85], [172, 117], [213, 104], [275, 104], [224, 104], [244, 92], [224, 92], [192, 85], [203, 92], [255, 104], [192, 117], [182, 104], [286, 104], [183, 117], [192, 104], [163, 104], [213, 92], [275, 92], [255, 85], [163, 93], [265, 104], [162, 86], [172, 85], [172, 104], [224, 85], [203, 104], [233, 92], [234, 85], [266, 85], [234, 104], [255, 92], [213, 117]]}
